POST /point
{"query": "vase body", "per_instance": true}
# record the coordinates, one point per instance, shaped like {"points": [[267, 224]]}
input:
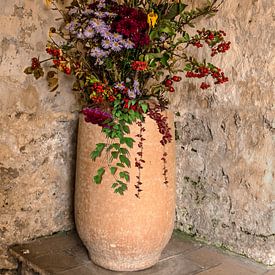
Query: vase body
{"points": [[123, 232]]}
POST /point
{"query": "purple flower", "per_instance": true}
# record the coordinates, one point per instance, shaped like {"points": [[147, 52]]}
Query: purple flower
{"points": [[163, 37], [120, 86], [99, 25], [107, 35], [131, 94], [127, 44], [106, 44], [98, 53], [89, 32], [101, 4], [80, 35], [97, 116], [136, 87], [117, 37], [73, 11], [115, 46]]}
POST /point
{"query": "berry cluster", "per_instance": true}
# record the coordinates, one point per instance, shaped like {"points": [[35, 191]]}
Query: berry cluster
{"points": [[35, 63], [100, 92], [200, 71], [220, 48], [133, 107], [214, 39], [59, 60], [169, 82]]}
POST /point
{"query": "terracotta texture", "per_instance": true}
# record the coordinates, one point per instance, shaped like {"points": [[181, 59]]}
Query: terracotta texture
{"points": [[123, 232]]}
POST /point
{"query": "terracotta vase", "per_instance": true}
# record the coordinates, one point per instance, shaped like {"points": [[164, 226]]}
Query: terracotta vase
{"points": [[123, 232]]}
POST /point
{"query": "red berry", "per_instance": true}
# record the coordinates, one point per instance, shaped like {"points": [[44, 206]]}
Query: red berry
{"points": [[204, 85], [168, 82], [67, 70], [171, 89], [176, 78]]}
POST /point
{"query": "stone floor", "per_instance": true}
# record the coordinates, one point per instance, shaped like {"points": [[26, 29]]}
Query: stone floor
{"points": [[65, 255]]}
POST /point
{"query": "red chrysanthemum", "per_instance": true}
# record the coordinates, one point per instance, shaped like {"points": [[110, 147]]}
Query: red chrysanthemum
{"points": [[139, 65]]}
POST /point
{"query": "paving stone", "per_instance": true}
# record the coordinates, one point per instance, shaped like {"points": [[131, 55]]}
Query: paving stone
{"points": [[231, 268], [46, 245], [79, 251], [56, 262], [64, 254], [89, 269], [179, 246], [177, 265], [210, 257], [206, 257]]}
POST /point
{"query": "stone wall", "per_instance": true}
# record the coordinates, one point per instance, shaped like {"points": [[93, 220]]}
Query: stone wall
{"points": [[37, 134], [225, 150], [226, 187]]}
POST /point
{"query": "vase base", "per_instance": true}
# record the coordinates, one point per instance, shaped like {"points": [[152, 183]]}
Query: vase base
{"points": [[122, 264]]}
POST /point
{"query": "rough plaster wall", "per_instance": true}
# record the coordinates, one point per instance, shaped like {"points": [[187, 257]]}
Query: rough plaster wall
{"points": [[37, 134], [225, 151], [225, 168]]}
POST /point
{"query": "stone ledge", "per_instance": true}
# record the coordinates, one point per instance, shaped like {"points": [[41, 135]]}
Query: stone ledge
{"points": [[64, 254]]}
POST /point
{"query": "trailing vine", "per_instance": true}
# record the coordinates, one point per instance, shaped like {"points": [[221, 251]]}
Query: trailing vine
{"points": [[165, 130], [139, 159]]}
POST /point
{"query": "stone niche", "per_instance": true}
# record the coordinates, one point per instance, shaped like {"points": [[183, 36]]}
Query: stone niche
{"points": [[225, 146]]}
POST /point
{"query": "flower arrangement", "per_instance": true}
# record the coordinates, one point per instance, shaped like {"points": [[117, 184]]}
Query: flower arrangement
{"points": [[113, 48]]}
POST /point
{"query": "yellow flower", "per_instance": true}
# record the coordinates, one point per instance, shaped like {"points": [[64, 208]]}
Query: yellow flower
{"points": [[48, 2], [152, 19]]}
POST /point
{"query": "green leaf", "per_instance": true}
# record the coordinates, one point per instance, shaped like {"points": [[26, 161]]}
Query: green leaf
{"points": [[124, 175], [175, 10], [129, 141], [120, 165], [126, 129], [98, 176], [116, 146], [114, 185], [97, 152], [123, 151], [93, 79], [154, 35], [164, 60], [115, 154], [124, 159], [119, 190], [97, 179], [101, 171], [113, 170], [186, 37], [144, 107], [188, 67]]}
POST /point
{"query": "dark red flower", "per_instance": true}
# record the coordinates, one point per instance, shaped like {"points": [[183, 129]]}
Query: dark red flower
{"points": [[127, 27], [97, 116]]}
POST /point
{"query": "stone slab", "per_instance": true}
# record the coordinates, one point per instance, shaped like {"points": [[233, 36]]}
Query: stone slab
{"points": [[64, 254]]}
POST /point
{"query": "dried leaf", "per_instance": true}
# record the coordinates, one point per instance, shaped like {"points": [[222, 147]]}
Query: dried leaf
{"points": [[28, 70]]}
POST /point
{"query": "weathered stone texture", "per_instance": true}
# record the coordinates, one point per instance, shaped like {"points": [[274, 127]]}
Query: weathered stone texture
{"points": [[226, 155], [37, 134], [226, 186]]}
